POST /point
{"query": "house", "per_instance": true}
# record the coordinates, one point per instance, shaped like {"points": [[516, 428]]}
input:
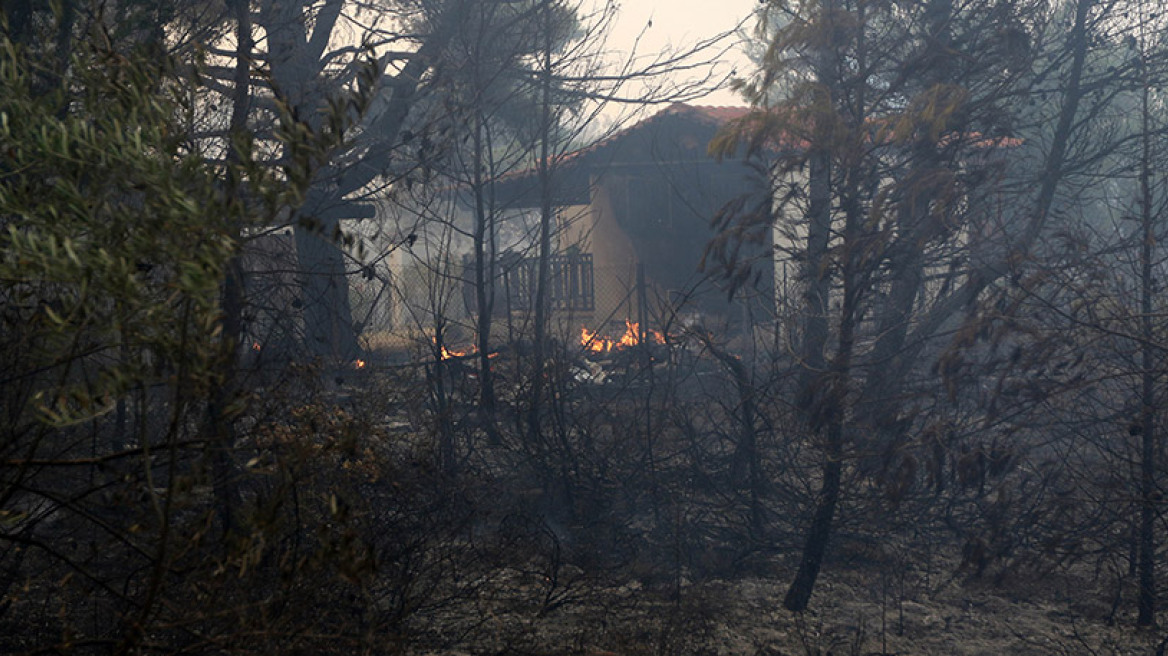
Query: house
{"points": [[634, 214], [633, 220]]}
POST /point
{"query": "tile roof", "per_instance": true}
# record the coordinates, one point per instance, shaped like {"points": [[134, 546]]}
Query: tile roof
{"points": [[713, 115], [716, 116]]}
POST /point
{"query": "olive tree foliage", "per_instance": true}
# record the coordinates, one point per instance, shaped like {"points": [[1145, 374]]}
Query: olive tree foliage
{"points": [[923, 156], [116, 236], [49, 29], [102, 220]]}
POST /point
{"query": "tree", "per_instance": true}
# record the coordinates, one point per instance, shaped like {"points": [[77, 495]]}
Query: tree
{"points": [[537, 83], [1149, 351], [889, 128], [311, 56], [117, 238], [504, 109]]}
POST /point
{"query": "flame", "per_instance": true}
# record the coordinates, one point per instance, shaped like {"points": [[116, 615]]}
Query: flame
{"points": [[255, 346], [359, 364], [447, 353], [597, 343]]}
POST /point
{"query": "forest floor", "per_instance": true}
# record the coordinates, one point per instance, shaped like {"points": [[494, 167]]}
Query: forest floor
{"points": [[854, 613], [867, 602]]}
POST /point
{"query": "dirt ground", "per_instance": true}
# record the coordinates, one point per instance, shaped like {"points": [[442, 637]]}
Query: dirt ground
{"points": [[853, 613]]}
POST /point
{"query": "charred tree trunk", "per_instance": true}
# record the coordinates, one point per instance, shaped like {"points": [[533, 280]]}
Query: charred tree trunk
{"points": [[440, 375], [324, 290], [1148, 493], [814, 341], [1052, 175], [906, 258], [484, 272], [539, 355], [826, 400], [297, 64], [828, 413], [825, 388], [220, 422], [746, 455], [819, 533]]}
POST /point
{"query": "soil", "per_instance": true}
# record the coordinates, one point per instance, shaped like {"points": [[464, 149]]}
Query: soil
{"points": [[853, 613]]}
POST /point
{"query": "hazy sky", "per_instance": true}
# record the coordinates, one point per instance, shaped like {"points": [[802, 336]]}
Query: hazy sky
{"points": [[679, 23]]}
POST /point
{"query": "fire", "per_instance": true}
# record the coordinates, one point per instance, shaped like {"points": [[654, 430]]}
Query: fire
{"points": [[447, 353], [255, 346], [359, 364], [597, 343]]}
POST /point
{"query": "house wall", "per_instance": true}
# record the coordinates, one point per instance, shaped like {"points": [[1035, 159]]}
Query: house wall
{"points": [[593, 229], [789, 237], [664, 210]]}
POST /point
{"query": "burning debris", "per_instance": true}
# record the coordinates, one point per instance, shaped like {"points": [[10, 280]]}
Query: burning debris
{"points": [[633, 336], [448, 354], [454, 354], [593, 342], [606, 358]]}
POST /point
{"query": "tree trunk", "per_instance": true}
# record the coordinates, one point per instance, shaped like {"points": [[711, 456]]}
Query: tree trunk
{"points": [[328, 318], [814, 340], [1148, 493], [906, 257], [832, 412], [747, 459], [484, 272], [1078, 43], [297, 63], [819, 534], [539, 355], [220, 423], [828, 399]]}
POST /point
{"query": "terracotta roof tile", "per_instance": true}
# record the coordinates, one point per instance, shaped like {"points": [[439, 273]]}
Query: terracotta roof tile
{"points": [[718, 114], [715, 115]]}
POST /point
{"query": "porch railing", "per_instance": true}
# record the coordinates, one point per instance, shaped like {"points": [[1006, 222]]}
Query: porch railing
{"points": [[571, 285]]}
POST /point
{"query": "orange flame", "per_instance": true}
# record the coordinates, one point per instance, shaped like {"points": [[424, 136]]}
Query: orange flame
{"points": [[359, 364], [447, 353], [597, 343]]}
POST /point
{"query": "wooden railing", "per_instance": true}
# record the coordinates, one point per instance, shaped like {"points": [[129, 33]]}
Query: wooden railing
{"points": [[571, 285]]}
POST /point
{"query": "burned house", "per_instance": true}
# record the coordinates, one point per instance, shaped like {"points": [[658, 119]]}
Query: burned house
{"points": [[634, 217]]}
